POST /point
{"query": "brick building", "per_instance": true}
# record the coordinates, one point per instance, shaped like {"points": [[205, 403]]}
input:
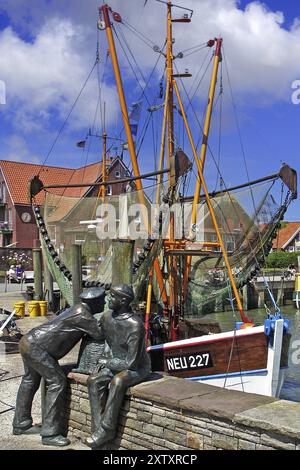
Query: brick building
{"points": [[288, 238], [17, 223]]}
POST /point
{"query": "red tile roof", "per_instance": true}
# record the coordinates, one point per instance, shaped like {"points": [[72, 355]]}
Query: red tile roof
{"points": [[285, 234], [17, 176]]}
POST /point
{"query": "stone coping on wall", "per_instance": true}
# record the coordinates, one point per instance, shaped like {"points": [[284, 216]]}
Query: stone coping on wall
{"points": [[253, 411]]}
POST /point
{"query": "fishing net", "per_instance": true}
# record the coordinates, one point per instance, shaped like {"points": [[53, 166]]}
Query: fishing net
{"points": [[247, 219], [94, 225]]}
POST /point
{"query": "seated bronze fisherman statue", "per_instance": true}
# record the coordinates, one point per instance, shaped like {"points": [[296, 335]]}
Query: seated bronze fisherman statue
{"points": [[129, 365], [41, 349]]}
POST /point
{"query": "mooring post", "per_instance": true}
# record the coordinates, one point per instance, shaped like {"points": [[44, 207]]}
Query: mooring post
{"points": [[219, 305], [245, 297], [49, 295], [261, 299], [76, 272], [38, 273], [122, 260], [280, 296]]}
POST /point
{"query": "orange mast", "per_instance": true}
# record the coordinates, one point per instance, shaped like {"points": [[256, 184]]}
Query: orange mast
{"points": [[105, 9]]}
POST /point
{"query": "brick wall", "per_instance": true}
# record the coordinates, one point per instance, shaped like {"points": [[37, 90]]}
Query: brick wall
{"points": [[174, 414]]}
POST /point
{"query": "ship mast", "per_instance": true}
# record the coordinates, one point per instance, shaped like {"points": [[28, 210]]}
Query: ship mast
{"points": [[104, 139], [172, 263], [105, 13], [212, 90], [200, 162], [168, 128]]}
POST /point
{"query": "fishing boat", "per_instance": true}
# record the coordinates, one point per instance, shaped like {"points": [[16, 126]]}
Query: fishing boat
{"points": [[195, 253]]}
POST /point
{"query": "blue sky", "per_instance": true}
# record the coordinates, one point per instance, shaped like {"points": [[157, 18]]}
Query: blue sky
{"points": [[47, 48]]}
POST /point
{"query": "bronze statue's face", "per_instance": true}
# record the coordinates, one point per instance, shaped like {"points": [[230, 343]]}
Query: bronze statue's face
{"points": [[115, 301]]}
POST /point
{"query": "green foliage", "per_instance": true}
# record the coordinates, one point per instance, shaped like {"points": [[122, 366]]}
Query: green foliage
{"points": [[282, 259], [20, 258]]}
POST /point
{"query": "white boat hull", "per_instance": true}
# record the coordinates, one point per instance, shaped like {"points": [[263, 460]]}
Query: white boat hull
{"points": [[244, 360]]}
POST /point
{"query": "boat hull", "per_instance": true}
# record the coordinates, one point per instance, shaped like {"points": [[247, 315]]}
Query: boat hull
{"points": [[244, 360]]}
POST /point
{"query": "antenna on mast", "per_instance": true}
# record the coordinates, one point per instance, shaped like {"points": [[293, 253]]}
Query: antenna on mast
{"points": [[176, 6]]}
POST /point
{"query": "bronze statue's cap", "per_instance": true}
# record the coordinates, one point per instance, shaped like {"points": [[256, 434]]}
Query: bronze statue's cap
{"points": [[93, 293], [123, 290]]}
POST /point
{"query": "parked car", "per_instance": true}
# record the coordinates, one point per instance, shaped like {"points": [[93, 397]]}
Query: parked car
{"points": [[29, 276]]}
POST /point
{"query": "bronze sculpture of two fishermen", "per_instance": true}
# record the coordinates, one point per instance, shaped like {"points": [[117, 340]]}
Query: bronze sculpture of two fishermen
{"points": [[43, 346]]}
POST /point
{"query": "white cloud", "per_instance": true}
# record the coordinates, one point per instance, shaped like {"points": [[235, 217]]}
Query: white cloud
{"points": [[263, 56], [47, 74], [44, 75], [18, 151]]}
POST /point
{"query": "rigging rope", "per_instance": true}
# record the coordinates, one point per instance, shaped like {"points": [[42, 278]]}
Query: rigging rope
{"points": [[67, 118], [130, 64], [220, 126], [248, 177], [137, 33]]}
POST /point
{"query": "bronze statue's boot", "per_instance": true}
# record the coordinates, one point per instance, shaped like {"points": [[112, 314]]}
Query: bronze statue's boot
{"points": [[36, 429], [57, 441], [100, 437]]}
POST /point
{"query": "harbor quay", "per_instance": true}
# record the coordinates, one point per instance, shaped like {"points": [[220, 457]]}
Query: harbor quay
{"points": [[163, 413], [149, 245]]}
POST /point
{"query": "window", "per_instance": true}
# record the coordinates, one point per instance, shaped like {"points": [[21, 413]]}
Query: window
{"points": [[3, 192], [117, 174], [79, 239], [291, 248], [229, 238], [10, 218], [230, 247], [108, 190]]}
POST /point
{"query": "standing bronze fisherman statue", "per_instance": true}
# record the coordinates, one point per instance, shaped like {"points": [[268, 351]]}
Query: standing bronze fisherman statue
{"points": [[41, 349]]}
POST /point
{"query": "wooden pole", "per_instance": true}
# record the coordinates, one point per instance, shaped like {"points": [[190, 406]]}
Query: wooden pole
{"points": [[48, 280], [38, 273], [172, 265], [162, 148], [148, 306], [115, 63], [122, 260], [131, 147], [76, 256]]}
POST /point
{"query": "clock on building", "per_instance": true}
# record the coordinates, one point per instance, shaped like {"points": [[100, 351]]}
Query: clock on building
{"points": [[26, 217]]}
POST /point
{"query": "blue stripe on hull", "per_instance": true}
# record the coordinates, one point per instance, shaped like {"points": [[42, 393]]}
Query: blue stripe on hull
{"points": [[233, 374]]}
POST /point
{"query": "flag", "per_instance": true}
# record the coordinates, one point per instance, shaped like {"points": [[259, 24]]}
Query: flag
{"points": [[134, 129], [135, 111], [81, 144]]}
